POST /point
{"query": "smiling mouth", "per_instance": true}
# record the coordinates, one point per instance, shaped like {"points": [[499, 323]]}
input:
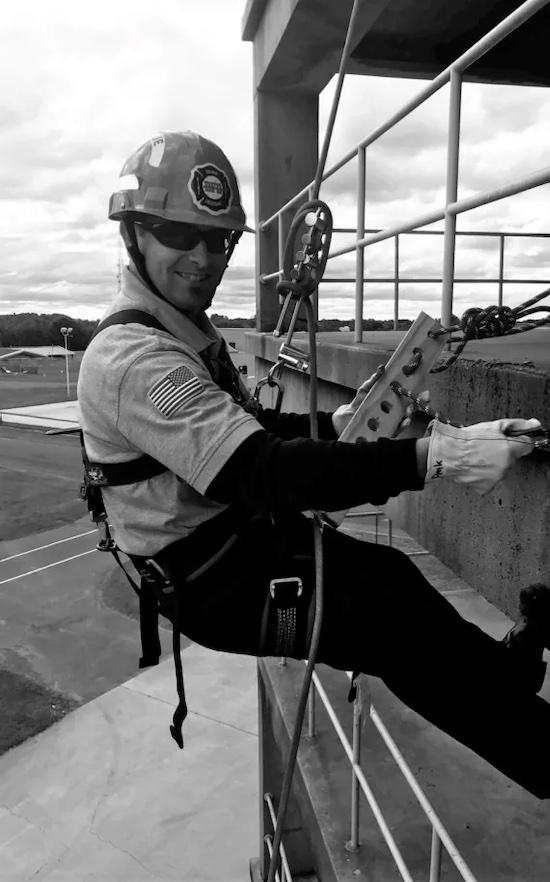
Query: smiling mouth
{"points": [[192, 277]]}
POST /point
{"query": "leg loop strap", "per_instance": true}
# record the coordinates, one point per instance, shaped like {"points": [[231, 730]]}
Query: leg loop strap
{"points": [[280, 619]]}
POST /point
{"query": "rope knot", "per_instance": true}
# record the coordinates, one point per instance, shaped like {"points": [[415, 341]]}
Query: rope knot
{"points": [[493, 321]]}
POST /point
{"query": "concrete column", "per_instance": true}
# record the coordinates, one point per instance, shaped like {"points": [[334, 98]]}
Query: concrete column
{"points": [[286, 149]]}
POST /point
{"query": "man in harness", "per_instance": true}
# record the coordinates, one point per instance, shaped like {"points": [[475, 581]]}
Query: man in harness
{"points": [[203, 489]]}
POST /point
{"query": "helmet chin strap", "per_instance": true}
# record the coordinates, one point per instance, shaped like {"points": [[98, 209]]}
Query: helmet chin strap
{"points": [[128, 233]]}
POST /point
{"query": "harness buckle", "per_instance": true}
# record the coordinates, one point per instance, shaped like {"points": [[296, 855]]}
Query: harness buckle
{"points": [[286, 585], [106, 541], [106, 544], [158, 575]]}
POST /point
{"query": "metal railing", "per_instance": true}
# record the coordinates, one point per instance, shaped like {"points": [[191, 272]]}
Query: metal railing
{"points": [[397, 279], [452, 206]]}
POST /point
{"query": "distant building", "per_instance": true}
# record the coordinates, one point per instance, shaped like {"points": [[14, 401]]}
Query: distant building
{"points": [[52, 351]]}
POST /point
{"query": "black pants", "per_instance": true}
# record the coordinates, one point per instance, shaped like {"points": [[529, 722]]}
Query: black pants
{"points": [[382, 618]]}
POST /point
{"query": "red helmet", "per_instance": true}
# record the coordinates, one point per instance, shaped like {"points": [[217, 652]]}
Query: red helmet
{"points": [[180, 176]]}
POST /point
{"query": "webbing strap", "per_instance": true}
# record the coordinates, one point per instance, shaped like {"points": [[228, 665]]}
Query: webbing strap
{"points": [[117, 474], [127, 317], [181, 711], [144, 467]]}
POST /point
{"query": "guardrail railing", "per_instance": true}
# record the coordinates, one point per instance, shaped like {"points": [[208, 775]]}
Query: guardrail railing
{"points": [[397, 279], [452, 206]]}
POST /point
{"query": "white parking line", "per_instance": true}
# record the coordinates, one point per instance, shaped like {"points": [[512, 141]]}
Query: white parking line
{"points": [[49, 545], [47, 567]]}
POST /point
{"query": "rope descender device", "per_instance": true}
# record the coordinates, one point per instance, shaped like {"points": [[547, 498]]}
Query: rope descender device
{"points": [[304, 261], [303, 266]]}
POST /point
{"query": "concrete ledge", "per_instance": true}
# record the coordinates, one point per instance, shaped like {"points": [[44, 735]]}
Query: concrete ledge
{"points": [[501, 831], [61, 415], [498, 542]]}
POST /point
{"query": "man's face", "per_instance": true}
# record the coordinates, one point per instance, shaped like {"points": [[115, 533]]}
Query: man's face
{"points": [[187, 273]]}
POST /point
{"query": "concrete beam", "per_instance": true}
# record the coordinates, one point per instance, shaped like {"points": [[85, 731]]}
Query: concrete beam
{"points": [[286, 147], [298, 43]]}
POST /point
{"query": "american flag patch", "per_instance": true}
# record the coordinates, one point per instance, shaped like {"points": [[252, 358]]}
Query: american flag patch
{"points": [[175, 390]]}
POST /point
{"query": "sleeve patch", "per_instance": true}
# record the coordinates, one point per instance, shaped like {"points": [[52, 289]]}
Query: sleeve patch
{"points": [[174, 390]]}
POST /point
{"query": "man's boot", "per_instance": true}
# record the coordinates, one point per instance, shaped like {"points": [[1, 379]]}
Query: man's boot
{"points": [[531, 634]]}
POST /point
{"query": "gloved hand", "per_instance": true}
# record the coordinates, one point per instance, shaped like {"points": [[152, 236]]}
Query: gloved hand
{"points": [[477, 455], [343, 414]]}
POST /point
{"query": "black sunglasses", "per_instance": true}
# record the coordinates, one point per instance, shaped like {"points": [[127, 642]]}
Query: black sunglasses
{"points": [[185, 237]]}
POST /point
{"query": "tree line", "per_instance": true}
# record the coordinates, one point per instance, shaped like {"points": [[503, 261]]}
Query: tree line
{"points": [[34, 329], [41, 329]]}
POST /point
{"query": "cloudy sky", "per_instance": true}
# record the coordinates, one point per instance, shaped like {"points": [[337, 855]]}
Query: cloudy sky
{"points": [[85, 85]]}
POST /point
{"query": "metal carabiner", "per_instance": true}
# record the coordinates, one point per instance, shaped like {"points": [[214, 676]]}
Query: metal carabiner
{"points": [[272, 381]]}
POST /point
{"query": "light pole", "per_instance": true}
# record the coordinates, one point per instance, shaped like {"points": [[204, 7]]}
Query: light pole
{"points": [[67, 332]]}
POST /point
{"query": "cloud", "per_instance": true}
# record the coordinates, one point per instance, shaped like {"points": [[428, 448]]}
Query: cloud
{"points": [[92, 83]]}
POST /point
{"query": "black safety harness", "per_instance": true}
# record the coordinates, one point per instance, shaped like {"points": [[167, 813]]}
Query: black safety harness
{"points": [[156, 585]]}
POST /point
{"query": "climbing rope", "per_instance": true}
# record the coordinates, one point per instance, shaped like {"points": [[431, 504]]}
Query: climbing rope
{"points": [[492, 321], [302, 272]]}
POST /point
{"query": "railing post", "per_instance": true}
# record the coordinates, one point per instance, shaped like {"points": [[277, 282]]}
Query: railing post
{"points": [[360, 252], [501, 269], [449, 238], [353, 844], [396, 284], [311, 712], [435, 857]]}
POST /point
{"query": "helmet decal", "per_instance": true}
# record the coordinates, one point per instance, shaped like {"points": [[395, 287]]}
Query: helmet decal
{"points": [[181, 177], [210, 188], [157, 150]]}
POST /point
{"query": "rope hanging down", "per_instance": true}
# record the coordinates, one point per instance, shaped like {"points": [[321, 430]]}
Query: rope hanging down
{"points": [[303, 270]]}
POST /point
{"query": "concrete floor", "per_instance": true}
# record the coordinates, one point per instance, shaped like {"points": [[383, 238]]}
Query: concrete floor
{"points": [[105, 794]]}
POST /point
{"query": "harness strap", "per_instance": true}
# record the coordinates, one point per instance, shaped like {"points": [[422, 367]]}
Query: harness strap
{"points": [[127, 317], [118, 474], [98, 475], [148, 623], [280, 613], [181, 711]]}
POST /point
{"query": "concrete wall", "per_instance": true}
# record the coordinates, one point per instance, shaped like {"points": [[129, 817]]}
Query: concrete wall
{"points": [[497, 543]]}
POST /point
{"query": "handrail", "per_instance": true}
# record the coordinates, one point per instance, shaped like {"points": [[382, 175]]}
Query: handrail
{"points": [[520, 15], [398, 279]]}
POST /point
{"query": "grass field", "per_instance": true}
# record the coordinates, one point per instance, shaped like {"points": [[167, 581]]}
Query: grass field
{"points": [[48, 385], [33, 500], [29, 503]]}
